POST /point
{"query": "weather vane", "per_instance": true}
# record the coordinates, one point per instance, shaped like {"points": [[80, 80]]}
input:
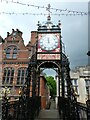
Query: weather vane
{"points": [[48, 9]]}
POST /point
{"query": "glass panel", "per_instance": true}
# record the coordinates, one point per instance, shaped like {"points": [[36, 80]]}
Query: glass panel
{"points": [[14, 55], [75, 82], [7, 55], [8, 50], [18, 80], [19, 76], [5, 72], [7, 79], [8, 73], [22, 80], [3, 81], [15, 50], [12, 73], [87, 82], [23, 72], [19, 72], [11, 80]]}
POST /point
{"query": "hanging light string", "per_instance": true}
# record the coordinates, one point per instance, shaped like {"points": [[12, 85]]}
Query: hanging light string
{"points": [[68, 12], [38, 14]]}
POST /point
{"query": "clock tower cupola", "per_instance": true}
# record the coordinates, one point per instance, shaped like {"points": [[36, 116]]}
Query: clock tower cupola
{"points": [[49, 36]]}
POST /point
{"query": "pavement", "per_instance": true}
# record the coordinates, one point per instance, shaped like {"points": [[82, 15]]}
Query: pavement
{"points": [[51, 113], [48, 114]]}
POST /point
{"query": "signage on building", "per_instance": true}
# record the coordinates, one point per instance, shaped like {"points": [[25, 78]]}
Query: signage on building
{"points": [[48, 56]]}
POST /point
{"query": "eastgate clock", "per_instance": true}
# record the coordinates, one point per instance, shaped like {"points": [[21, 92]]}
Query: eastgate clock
{"points": [[48, 42]]}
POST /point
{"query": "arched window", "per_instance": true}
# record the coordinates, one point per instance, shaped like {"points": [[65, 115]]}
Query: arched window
{"points": [[11, 52], [8, 52], [21, 76], [8, 75]]}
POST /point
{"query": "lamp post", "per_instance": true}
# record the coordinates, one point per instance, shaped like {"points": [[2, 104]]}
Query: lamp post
{"points": [[57, 81]]}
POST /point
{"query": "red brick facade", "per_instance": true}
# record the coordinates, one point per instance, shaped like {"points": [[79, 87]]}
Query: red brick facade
{"points": [[15, 57]]}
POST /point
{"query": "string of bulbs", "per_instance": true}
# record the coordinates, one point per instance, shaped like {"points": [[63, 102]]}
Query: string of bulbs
{"points": [[39, 14], [65, 12]]}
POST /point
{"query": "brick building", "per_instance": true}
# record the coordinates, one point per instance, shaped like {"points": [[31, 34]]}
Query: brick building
{"points": [[15, 58]]}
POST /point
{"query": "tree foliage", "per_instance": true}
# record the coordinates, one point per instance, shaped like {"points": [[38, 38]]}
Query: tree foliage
{"points": [[52, 85]]}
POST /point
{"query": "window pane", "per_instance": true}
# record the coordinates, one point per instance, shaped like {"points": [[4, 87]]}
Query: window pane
{"points": [[22, 80], [8, 50], [5, 72], [12, 73], [11, 80], [11, 52], [21, 75], [14, 55], [3, 81], [7, 55], [87, 82], [19, 72], [23, 72], [8, 72], [7, 80], [15, 50], [18, 79], [75, 82]]}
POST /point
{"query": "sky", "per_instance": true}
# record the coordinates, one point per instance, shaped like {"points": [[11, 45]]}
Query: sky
{"points": [[74, 29]]}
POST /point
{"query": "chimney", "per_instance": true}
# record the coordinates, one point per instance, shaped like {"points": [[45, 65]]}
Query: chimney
{"points": [[8, 34], [33, 37], [19, 32], [13, 31]]}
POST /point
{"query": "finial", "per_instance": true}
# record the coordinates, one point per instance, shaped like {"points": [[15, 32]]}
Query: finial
{"points": [[38, 23], [59, 23]]}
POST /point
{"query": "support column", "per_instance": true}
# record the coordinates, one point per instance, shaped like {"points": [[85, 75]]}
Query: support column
{"points": [[57, 90]]}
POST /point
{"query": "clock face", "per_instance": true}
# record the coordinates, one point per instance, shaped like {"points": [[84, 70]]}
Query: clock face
{"points": [[48, 42]]}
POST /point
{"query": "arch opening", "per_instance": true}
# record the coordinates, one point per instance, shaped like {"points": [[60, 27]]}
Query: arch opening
{"points": [[50, 69]]}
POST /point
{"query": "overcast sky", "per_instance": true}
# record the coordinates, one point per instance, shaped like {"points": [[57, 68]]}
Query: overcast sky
{"points": [[74, 28]]}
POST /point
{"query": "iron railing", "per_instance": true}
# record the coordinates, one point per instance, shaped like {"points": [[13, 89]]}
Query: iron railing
{"points": [[71, 110], [17, 110]]}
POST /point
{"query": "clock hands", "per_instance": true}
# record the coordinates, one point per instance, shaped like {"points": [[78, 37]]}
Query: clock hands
{"points": [[48, 40]]}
